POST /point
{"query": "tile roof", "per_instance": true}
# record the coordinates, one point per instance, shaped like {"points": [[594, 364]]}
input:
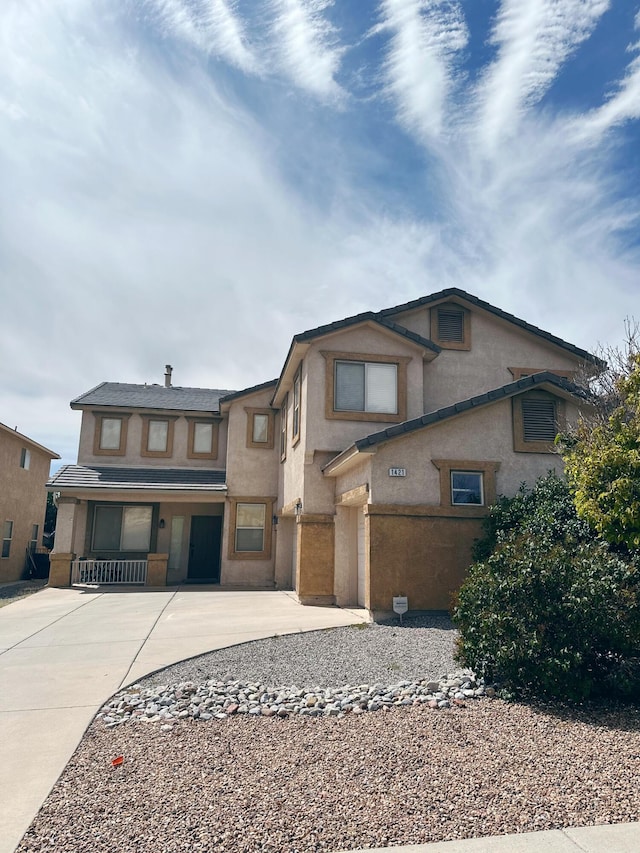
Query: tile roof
{"points": [[504, 391], [498, 312], [232, 395], [124, 395], [371, 316], [151, 479]]}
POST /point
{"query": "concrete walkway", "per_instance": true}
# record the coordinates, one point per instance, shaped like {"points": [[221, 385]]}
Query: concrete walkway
{"points": [[63, 652]]}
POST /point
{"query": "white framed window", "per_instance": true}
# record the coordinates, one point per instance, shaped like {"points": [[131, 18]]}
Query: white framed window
{"points": [[33, 542], [110, 433], [283, 429], [295, 414], [467, 488], [366, 387], [250, 527], [157, 436], [7, 536], [202, 437], [122, 528], [260, 434], [25, 458]]}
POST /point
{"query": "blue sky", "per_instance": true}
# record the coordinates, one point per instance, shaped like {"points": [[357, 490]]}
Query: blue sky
{"points": [[194, 181]]}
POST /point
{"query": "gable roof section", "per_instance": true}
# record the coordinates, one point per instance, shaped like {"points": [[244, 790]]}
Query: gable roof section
{"points": [[26, 440], [349, 322], [126, 396], [234, 395], [564, 386], [140, 479], [497, 312]]}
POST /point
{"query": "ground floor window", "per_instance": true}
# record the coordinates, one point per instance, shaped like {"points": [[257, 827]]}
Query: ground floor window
{"points": [[251, 527], [467, 488], [250, 523], [122, 528], [7, 536]]}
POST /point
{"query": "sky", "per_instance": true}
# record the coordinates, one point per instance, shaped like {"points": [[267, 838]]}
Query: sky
{"points": [[192, 182]]}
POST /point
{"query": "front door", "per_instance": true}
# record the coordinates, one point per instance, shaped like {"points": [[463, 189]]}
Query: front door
{"points": [[204, 548]]}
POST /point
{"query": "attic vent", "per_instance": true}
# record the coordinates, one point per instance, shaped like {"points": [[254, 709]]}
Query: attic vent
{"points": [[539, 419], [451, 324]]}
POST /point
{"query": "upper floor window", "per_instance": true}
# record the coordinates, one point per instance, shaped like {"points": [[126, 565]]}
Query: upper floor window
{"points": [[110, 437], [25, 458], [122, 528], [297, 391], [283, 428], [259, 427], [157, 436], [366, 387], [451, 326], [7, 536], [203, 439]]}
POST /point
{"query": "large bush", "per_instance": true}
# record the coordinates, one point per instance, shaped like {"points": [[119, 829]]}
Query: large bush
{"points": [[549, 610]]}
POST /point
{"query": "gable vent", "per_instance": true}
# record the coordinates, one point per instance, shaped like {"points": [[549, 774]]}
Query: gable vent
{"points": [[451, 324], [539, 420]]}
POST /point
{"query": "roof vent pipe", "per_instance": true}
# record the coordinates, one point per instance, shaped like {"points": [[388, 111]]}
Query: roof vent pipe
{"points": [[167, 376]]}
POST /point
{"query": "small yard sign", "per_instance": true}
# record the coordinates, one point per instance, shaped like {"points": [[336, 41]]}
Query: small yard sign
{"points": [[400, 604]]}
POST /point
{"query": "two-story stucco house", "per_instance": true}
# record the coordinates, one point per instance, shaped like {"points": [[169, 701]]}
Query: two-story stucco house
{"points": [[361, 473], [24, 470]]}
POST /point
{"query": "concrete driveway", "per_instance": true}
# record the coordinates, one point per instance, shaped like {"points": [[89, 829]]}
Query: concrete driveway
{"points": [[63, 652]]}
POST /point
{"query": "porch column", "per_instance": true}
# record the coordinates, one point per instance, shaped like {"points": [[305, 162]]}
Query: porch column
{"points": [[157, 569], [63, 555]]}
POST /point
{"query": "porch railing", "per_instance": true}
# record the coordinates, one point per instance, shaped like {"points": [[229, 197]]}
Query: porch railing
{"points": [[109, 571]]}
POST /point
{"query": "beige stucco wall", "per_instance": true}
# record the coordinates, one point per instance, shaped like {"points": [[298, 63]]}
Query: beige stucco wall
{"points": [[133, 455], [23, 498], [251, 470], [321, 438], [496, 345]]}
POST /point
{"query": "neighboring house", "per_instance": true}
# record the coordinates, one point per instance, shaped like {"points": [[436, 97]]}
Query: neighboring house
{"points": [[24, 470], [362, 472]]}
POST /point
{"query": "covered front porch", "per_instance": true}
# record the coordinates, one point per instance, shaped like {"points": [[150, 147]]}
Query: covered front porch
{"points": [[138, 526]]}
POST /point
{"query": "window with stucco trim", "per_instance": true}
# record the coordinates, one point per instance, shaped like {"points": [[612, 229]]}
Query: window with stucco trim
{"points": [[295, 411], [260, 427], [157, 436], [110, 436], [467, 487], [366, 387], [202, 440], [283, 429], [250, 533]]}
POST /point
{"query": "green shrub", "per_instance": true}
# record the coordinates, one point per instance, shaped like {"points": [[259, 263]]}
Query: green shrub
{"points": [[549, 610]]}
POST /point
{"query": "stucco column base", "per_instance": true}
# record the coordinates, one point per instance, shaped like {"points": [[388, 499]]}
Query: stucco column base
{"points": [[60, 569], [314, 576], [157, 569]]}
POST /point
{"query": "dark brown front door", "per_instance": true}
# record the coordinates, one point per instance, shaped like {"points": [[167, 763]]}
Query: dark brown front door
{"points": [[204, 548]]}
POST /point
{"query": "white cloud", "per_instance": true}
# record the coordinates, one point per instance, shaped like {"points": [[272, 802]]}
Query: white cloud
{"points": [[210, 25], [620, 107], [426, 36], [306, 46], [534, 39]]}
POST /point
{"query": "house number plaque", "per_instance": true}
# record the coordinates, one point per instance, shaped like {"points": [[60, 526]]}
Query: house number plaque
{"points": [[397, 472]]}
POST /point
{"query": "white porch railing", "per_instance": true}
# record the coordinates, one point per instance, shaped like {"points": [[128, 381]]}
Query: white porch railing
{"points": [[108, 571]]}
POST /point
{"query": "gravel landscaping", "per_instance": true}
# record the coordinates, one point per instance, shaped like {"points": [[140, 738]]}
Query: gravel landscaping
{"points": [[298, 783]]}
